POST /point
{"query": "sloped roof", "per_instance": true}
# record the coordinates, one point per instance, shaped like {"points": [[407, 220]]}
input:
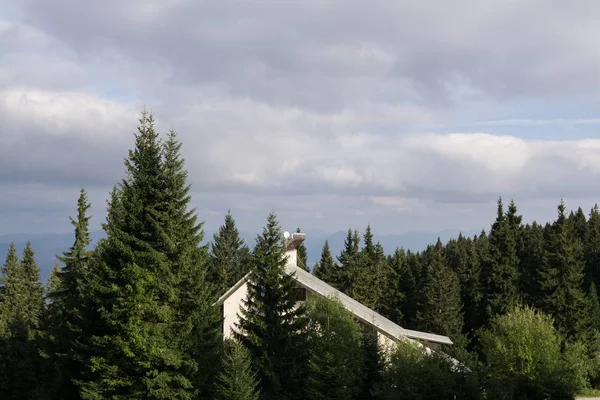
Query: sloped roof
{"points": [[363, 313]]}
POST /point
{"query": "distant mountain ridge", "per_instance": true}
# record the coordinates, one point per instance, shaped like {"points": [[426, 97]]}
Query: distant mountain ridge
{"points": [[47, 245]]}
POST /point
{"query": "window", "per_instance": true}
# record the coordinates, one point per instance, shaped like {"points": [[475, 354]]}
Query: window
{"points": [[299, 294]]}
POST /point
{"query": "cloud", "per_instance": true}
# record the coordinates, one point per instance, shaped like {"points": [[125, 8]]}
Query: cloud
{"points": [[327, 111]]}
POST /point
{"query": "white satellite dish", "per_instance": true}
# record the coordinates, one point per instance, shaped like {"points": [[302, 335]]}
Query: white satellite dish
{"points": [[286, 235]]}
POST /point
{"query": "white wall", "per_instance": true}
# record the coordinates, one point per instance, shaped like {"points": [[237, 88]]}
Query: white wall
{"points": [[231, 308]]}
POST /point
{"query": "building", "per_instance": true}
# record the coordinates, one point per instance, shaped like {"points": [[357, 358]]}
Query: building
{"points": [[309, 285]]}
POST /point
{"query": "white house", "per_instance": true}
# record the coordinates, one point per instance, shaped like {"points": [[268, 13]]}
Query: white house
{"points": [[309, 285]]}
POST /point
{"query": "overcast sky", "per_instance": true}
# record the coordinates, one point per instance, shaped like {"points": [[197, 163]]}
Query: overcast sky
{"points": [[408, 115]]}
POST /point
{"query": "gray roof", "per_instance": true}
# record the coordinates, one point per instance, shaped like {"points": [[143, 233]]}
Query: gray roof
{"points": [[363, 313]]}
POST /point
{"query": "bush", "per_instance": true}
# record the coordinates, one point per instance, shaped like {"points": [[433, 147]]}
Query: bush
{"points": [[412, 374], [522, 350]]}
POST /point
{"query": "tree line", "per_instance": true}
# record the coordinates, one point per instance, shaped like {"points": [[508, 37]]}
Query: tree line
{"points": [[134, 317]]}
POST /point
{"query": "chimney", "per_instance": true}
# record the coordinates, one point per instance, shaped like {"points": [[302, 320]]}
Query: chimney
{"points": [[291, 248]]}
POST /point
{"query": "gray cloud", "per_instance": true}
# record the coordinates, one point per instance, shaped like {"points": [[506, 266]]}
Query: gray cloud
{"points": [[318, 110]]}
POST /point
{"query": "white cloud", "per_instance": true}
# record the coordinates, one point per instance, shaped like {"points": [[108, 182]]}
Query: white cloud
{"points": [[333, 109]]}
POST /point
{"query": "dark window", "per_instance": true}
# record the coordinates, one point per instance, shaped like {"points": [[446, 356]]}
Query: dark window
{"points": [[299, 294]]}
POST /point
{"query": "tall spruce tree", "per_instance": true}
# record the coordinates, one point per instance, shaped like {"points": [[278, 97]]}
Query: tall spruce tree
{"points": [[531, 259], [229, 256], [348, 263], [148, 283], [463, 260], [21, 304], [500, 274], [370, 273], [66, 313], [271, 327], [302, 257], [336, 358], [592, 248], [561, 279], [236, 379], [196, 330], [439, 306], [325, 269]]}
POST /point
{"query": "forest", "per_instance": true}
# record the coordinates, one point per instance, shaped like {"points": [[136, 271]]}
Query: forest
{"points": [[134, 317]]}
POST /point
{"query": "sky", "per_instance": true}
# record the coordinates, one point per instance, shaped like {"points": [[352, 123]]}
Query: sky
{"points": [[405, 115]]}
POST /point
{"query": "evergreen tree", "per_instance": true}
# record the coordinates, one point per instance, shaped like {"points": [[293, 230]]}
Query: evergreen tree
{"points": [[229, 256], [410, 285], [67, 294], [236, 381], [271, 327], [578, 223], [21, 305], [302, 255], [500, 275], [372, 365], [335, 341], [397, 287], [592, 248], [370, 273], [439, 307], [33, 286], [148, 284], [348, 260], [561, 279], [531, 259], [463, 260], [326, 269]]}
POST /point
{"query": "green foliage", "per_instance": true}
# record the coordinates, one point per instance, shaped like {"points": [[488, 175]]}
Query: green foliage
{"points": [[372, 367], [271, 327], [524, 360], [413, 375], [500, 272], [21, 304], [349, 263], [462, 258], [326, 269], [236, 380], [65, 312], [561, 279], [229, 256], [439, 307], [335, 340]]}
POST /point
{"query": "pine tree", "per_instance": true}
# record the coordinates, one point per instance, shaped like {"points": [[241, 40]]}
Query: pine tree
{"points": [[65, 312], [500, 275], [229, 256], [21, 305], [395, 288], [236, 381], [302, 257], [578, 223], [348, 260], [463, 260], [196, 330], [439, 306], [326, 269], [370, 273], [410, 285], [148, 283], [592, 248], [372, 365], [271, 327], [33, 286], [561, 279], [531, 259], [336, 359]]}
